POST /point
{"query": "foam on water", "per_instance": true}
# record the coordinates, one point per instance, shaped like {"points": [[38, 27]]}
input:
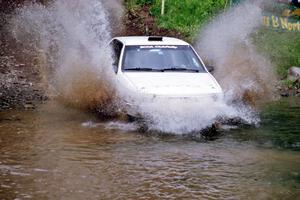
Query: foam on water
{"points": [[122, 126], [180, 116]]}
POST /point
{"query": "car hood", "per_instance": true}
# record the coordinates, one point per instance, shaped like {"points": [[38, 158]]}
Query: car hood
{"points": [[173, 83]]}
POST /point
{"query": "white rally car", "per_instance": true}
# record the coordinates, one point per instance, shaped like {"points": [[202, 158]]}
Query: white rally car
{"points": [[160, 67]]}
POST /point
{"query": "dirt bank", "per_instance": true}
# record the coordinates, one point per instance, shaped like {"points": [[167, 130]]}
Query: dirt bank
{"points": [[139, 22], [20, 84], [20, 80]]}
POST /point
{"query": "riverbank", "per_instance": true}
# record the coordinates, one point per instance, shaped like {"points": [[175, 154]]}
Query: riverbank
{"points": [[20, 85], [20, 80], [139, 21]]}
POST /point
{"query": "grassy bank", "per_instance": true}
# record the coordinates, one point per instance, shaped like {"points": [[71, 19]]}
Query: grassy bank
{"points": [[185, 16], [282, 47]]}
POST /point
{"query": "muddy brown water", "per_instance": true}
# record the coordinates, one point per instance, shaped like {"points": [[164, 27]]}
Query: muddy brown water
{"points": [[55, 152]]}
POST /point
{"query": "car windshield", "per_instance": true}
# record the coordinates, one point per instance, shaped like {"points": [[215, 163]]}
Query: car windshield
{"points": [[161, 58]]}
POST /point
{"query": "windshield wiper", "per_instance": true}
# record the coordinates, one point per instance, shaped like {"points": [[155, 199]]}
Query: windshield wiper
{"points": [[142, 69], [180, 69]]}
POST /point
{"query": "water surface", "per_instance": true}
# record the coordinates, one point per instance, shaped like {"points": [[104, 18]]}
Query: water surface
{"points": [[56, 152]]}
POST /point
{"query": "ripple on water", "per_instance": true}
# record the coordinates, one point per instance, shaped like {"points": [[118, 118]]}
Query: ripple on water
{"points": [[63, 158]]}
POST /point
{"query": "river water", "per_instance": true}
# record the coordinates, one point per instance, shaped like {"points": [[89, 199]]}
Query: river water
{"points": [[55, 152]]}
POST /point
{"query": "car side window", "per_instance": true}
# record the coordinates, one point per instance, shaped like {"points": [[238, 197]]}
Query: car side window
{"points": [[116, 48]]}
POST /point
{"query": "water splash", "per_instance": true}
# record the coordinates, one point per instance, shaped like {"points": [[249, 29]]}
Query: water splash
{"points": [[186, 115], [245, 76], [182, 116], [70, 42], [116, 12], [226, 43]]}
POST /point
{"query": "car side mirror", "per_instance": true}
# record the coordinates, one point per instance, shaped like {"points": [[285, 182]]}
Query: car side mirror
{"points": [[210, 69], [115, 67]]}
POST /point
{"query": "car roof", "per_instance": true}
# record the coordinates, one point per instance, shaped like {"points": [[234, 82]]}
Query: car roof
{"points": [[143, 40]]}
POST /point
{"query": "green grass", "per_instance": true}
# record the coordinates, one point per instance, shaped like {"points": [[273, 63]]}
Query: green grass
{"points": [[291, 84], [185, 16], [282, 47]]}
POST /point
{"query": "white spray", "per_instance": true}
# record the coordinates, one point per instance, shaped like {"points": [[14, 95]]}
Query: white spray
{"points": [[226, 43], [71, 43], [185, 116]]}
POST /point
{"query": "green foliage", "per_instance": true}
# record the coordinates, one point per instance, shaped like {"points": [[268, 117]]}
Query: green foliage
{"points": [[142, 2], [134, 3], [291, 84], [131, 4], [186, 16], [282, 47]]}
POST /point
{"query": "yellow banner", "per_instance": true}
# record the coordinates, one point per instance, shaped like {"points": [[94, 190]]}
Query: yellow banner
{"points": [[281, 23]]}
